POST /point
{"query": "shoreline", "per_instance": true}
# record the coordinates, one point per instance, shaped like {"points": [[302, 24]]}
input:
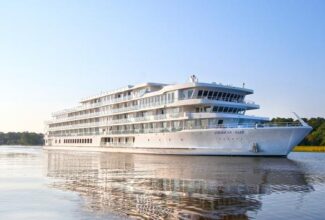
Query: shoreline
{"points": [[309, 149]]}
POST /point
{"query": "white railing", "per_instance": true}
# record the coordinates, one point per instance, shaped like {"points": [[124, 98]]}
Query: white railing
{"points": [[188, 127], [180, 115], [114, 111], [98, 104], [132, 108]]}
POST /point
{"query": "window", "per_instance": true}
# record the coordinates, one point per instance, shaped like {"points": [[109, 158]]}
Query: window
{"points": [[210, 94], [214, 95], [220, 122], [205, 93], [199, 94], [189, 95]]}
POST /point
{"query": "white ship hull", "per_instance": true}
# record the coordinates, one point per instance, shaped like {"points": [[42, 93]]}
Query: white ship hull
{"points": [[268, 141]]}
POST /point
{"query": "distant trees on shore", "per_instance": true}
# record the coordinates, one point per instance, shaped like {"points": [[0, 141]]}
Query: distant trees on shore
{"points": [[316, 136], [21, 138]]}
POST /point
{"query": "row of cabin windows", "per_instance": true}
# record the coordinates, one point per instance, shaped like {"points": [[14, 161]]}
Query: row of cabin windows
{"points": [[84, 112], [78, 141], [228, 109], [115, 96], [85, 121], [221, 109], [226, 96], [169, 97], [109, 140]]}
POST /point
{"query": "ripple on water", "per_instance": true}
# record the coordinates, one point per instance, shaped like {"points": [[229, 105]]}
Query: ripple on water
{"points": [[76, 185]]}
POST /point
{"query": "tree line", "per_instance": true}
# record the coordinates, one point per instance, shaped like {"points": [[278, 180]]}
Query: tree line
{"points": [[316, 137], [21, 138]]}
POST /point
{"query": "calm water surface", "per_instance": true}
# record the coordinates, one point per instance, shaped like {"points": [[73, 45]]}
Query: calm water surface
{"points": [[37, 184]]}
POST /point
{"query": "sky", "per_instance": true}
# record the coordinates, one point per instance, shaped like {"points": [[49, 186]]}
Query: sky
{"points": [[53, 53]]}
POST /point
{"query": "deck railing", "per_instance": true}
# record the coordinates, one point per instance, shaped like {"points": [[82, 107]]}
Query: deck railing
{"points": [[180, 115], [114, 111], [188, 127]]}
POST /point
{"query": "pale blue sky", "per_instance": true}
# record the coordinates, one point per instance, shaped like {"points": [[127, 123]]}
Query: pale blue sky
{"points": [[52, 53]]}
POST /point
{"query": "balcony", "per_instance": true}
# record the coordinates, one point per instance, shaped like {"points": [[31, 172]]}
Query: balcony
{"points": [[114, 111], [181, 115]]}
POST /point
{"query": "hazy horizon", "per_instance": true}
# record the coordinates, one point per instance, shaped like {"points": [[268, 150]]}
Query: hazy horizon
{"points": [[52, 54]]}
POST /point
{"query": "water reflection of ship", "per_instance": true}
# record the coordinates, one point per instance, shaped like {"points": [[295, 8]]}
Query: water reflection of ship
{"points": [[156, 186]]}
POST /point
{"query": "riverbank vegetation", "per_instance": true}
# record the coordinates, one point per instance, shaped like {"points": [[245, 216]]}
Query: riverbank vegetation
{"points": [[316, 137], [21, 138], [309, 149]]}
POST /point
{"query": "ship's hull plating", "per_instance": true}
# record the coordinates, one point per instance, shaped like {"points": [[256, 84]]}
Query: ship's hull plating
{"points": [[270, 141]]}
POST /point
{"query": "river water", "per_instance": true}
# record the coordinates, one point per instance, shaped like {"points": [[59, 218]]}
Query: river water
{"points": [[38, 184]]}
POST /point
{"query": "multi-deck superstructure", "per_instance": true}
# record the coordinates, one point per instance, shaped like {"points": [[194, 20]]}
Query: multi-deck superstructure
{"points": [[190, 118]]}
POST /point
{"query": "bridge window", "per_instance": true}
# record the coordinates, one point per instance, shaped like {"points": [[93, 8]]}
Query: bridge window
{"points": [[199, 94], [210, 94], [205, 93]]}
